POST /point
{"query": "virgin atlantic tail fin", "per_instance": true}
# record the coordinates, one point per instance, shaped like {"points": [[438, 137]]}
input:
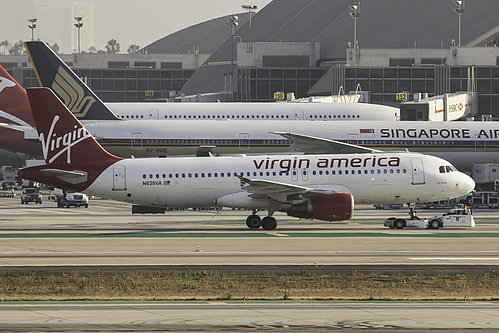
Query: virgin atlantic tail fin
{"points": [[53, 73], [63, 138], [14, 104]]}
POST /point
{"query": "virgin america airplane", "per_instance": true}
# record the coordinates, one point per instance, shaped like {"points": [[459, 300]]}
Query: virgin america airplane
{"points": [[305, 186]]}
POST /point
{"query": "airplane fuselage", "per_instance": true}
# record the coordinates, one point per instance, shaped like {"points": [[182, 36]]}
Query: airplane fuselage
{"points": [[191, 182]]}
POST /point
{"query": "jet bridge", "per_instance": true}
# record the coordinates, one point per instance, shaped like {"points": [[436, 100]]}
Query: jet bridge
{"points": [[447, 107]]}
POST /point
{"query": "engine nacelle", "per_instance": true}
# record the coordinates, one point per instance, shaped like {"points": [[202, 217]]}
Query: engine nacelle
{"points": [[327, 207]]}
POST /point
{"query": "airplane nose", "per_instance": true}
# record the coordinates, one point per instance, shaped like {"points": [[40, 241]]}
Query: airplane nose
{"points": [[466, 184]]}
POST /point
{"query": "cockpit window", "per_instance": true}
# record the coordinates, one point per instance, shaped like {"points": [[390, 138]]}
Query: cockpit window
{"points": [[446, 168]]}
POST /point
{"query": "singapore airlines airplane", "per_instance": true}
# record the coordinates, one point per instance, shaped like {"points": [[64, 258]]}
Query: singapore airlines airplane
{"points": [[306, 186], [461, 143], [53, 73]]}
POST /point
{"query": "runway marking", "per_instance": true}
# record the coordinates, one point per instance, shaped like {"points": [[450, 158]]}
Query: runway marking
{"points": [[456, 258], [276, 234], [249, 234]]}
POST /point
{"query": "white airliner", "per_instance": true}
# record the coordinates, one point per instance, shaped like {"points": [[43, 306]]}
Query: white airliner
{"points": [[305, 186], [461, 143], [53, 73]]}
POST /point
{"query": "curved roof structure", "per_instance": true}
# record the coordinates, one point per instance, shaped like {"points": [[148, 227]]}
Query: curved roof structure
{"points": [[206, 37], [382, 24]]}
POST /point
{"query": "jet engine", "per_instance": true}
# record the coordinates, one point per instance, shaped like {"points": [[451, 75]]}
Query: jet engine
{"points": [[327, 207]]}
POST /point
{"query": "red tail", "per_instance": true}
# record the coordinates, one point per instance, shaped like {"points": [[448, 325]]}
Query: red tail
{"points": [[14, 105], [63, 138], [74, 159]]}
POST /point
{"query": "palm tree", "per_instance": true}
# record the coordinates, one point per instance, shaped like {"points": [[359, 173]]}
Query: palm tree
{"points": [[55, 48], [134, 48], [112, 46], [17, 48], [5, 45]]}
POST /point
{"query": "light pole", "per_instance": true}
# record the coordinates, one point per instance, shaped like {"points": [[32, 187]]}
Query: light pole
{"points": [[459, 11], [355, 13], [233, 22], [78, 25], [32, 26], [250, 8]]}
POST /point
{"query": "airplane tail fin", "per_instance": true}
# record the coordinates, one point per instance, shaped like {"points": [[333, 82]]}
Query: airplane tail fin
{"points": [[14, 104], [63, 138], [53, 73]]}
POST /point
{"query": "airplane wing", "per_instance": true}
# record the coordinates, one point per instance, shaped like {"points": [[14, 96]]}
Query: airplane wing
{"points": [[286, 193], [313, 145], [72, 177]]}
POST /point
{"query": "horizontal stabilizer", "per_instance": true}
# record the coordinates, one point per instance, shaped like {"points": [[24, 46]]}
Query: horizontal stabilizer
{"points": [[313, 145], [72, 177]]}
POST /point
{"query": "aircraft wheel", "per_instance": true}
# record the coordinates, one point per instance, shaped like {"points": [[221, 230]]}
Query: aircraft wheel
{"points": [[269, 223], [253, 221]]}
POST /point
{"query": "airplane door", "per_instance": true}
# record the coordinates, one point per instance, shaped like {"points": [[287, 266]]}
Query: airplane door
{"points": [[153, 114], [417, 171], [298, 114], [294, 175], [244, 141], [119, 177], [479, 143], [136, 141]]}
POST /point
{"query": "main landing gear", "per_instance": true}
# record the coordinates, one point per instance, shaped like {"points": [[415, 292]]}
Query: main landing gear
{"points": [[254, 222]]}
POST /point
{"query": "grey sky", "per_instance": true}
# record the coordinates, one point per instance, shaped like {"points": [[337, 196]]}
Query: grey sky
{"points": [[129, 22]]}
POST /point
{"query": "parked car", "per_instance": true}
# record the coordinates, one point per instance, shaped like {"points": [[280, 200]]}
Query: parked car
{"points": [[31, 194]]}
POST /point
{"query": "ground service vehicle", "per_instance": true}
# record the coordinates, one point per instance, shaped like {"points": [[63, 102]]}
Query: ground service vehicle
{"points": [[456, 217], [31, 194], [68, 199]]}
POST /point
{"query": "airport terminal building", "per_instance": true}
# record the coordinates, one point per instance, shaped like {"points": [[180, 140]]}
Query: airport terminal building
{"points": [[308, 48]]}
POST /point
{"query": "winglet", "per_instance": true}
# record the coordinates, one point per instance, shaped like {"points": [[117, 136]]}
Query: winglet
{"points": [[53, 73]]}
